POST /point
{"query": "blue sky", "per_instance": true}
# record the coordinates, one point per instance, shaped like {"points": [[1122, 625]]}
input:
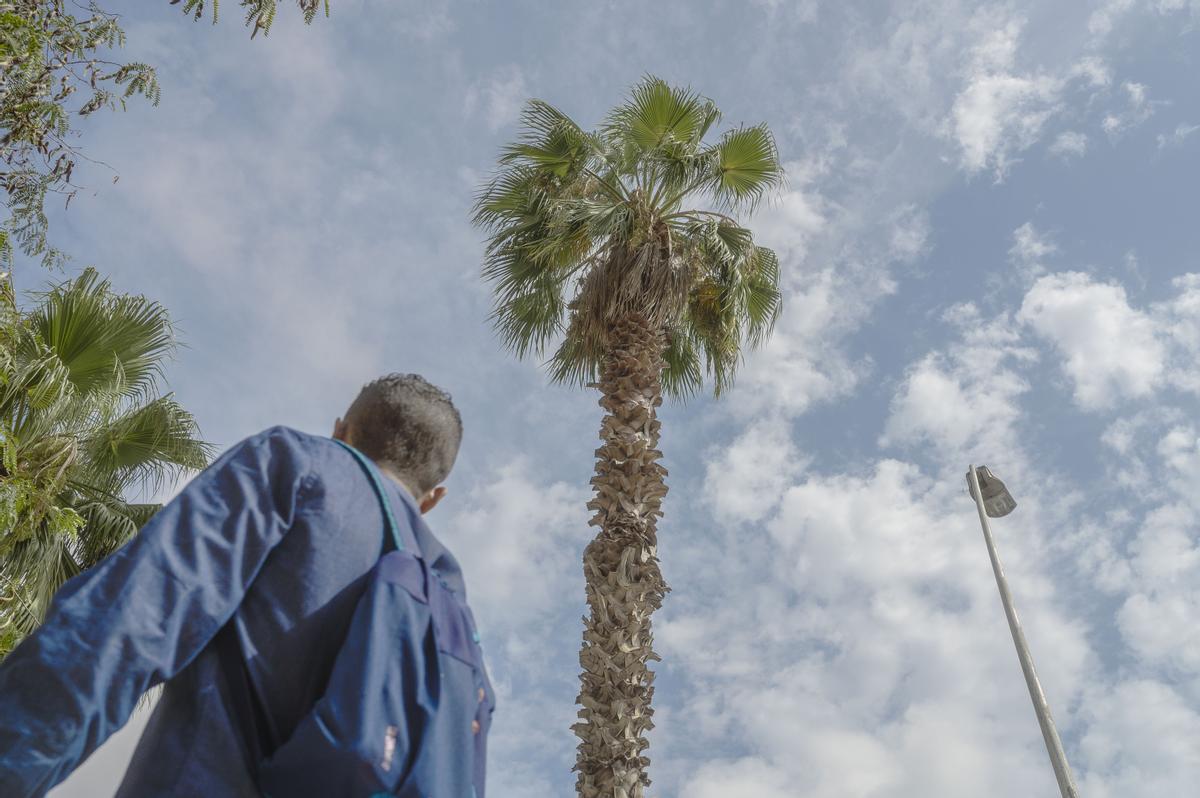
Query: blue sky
{"points": [[989, 255]]}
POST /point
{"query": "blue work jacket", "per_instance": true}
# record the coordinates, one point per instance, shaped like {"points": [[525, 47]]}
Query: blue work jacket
{"points": [[244, 583]]}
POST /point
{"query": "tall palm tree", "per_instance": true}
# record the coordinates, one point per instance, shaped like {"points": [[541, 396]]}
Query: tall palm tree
{"points": [[82, 429], [624, 246]]}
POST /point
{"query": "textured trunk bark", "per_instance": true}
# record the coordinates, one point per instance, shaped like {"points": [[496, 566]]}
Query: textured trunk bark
{"points": [[624, 584]]}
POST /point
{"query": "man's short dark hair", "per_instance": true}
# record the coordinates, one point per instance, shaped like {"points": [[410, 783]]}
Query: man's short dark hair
{"points": [[409, 426]]}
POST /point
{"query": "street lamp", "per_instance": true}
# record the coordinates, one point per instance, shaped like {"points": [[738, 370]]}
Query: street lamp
{"points": [[993, 499]]}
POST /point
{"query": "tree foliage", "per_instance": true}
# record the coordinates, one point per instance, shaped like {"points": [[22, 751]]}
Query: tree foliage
{"points": [[52, 69], [640, 215], [259, 14], [83, 427], [55, 68]]}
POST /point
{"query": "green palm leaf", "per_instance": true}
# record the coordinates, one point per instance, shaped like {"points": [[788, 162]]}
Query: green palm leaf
{"points": [[105, 341], [657, 115], [682, 376], [146, 444], [760, 295], [109, 524], [748, 167]]}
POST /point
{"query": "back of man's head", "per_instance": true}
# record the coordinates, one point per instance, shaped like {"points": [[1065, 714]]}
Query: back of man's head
{"points": [[407, 426]]}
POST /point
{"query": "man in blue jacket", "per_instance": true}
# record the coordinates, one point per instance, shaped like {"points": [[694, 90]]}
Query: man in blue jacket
{"points": [[237, 594]]}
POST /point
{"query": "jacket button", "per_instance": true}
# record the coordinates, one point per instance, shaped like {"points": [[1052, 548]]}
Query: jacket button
{"points": [[474, 727], [481, 695]]}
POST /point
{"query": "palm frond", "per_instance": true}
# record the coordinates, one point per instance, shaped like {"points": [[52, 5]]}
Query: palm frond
{"points": [[18, 616], [761, 299], [574, 362], [145, 444], [735, 299], [512, 194], [32, 572], [528, 320], [747, 167], [541, 121], [657, 115], [108, 525], [106, 341], [552, 143], [682, 378], [34, 379]]}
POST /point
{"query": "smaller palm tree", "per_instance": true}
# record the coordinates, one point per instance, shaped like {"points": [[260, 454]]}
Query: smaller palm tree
{"points": [[83, 428], [624, 246]]}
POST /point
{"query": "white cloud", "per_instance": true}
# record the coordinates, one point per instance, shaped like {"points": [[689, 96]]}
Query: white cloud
{"points": [[1141, 742], [937, 405], [999, 113], [1180, 453], [1094, 70], [1156, 569], [1110, 350], [422, 20], [1028, 251], [958, 72], [1178, 320], [1174, 6], [854, 255], [1136, 111], [746, 480], [1105, 18], [789, 223], [801, 364], [750, 777], [1128, 468], [518, 539], [498, 98], [1069, 144], [1158, 624], [803, 11], [532, 726], [1119, 436], [965, 398], [1135, 455], [1176, 139], [909, 234]]}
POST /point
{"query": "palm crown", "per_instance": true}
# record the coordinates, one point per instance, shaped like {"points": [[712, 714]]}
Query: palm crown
{"points": [[607, 216], [81, 429]]}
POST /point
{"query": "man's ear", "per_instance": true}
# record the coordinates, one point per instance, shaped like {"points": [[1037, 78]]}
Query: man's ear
{"points": [[431, 498], [339, 430]]}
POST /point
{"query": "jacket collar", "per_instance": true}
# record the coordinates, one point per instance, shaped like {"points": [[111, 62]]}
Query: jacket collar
{"points": [[432, 550]]}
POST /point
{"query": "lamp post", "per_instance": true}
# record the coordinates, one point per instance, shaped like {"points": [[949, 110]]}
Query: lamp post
{"points": [[993, 499]]}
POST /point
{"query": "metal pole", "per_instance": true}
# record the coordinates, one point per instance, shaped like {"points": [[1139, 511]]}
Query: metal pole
{"points": [[1058, 758]]}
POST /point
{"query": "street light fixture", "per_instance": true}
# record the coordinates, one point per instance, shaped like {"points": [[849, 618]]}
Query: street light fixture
{"points": [[993, 499], [997, 501]]}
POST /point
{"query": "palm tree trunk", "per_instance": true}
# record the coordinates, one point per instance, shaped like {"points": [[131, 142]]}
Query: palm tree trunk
{"points": [[624, 584]]}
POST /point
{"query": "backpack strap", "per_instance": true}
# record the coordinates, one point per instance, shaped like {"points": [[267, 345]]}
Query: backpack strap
{"points": [[373, 473]]}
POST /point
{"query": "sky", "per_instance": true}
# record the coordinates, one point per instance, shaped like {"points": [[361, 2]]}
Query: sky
{"points": [[987, 257]]}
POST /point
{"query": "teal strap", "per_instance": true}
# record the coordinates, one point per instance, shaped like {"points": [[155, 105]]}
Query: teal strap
{"points": [[373, 473]]}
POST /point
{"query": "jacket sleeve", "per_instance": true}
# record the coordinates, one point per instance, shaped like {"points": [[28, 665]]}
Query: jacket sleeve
{"points": [[142, 614]]}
